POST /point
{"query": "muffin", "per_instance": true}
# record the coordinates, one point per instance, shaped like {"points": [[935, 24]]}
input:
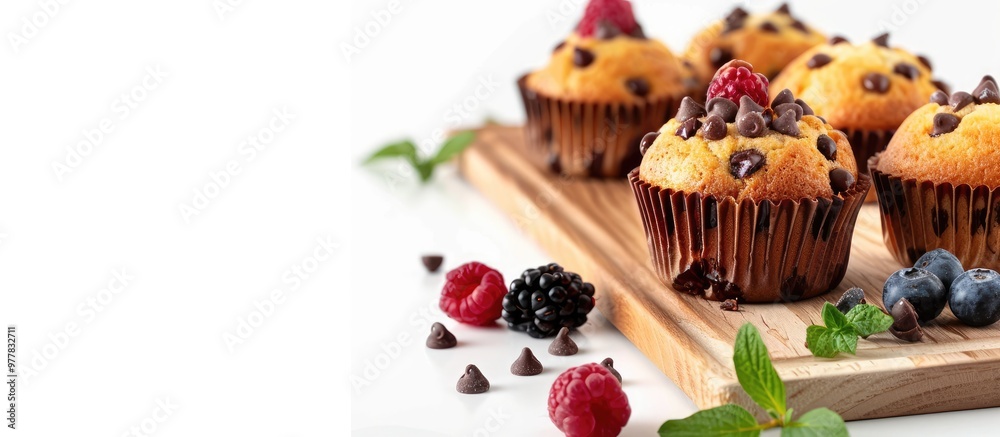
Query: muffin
{"points": [[865, 90], [604, 87], [938, 181], [767, 41], [755, 201]]}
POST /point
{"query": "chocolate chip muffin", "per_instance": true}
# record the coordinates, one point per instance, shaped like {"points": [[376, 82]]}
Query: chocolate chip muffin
{"points": [[754, 200], [604, 86], [865, 89], [938, 181], [768, 41]]}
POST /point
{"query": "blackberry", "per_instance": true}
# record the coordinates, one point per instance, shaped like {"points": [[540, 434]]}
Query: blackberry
{"points": [[545, 299]]}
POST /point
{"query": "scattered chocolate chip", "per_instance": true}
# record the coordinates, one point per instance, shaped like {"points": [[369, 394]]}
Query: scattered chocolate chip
{"points": [[606, 30], [905, 325], [837, 39], [559, 46], [440, 337], [827, 146], [714, 128], [526, 364], [688, 128], [939, 97], [432, 262], [785, 96], [638, 86], [786, 124], [841, 180], [882, 40], [734, 20], [751, 125], [806, 110], [729, 305], [745, 163], [800, 26], [472, 381], [769, 27], [783, 9], [925, 61], [818, 60], [941, 86], [986, 91], [582, 57], [719, 56], [785, 107], [609, 364], [906, 70], [851, 298], [960, 99], [876, 82], [563, 345], [647, 141], [722, 107], [944, 123], [689, 109]]}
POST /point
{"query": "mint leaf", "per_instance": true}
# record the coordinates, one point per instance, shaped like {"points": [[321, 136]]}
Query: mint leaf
{"points": [[868, 319], [756, 373], [453, 147], [727, 420], [820, 422], [405, 149], [827, 343], [833, 318]]}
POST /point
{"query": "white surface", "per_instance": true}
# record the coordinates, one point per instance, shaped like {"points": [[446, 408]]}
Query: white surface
{"points": [[404, 83]]}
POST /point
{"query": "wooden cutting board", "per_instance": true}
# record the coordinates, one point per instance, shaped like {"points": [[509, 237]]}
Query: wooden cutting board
{"points": [[593, 228]]}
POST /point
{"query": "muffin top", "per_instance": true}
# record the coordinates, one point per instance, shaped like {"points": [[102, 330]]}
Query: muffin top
{"points": [[609, 59], [755, 150], [868, 86], [767, 41], [953, 139]]}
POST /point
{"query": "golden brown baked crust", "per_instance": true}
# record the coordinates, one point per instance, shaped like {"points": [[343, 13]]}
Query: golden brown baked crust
{"points": [[615, 62], [836, 90]]}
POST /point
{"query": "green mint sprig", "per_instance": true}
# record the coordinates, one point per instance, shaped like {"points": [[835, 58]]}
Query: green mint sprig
{"points": [[841, 331], [761, 382], [424, 167]]}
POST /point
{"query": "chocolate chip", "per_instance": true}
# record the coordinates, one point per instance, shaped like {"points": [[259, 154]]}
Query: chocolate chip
{"points": [[800, 26], [783, 9], [563, 345], [925, 61], [689, 109], [638, 86], [747, 105], [821, 118], [559, 46], [768, 115], [638, 32], [609, 364], [840, 180], [876, 82], [751, 125], [960, 100], [769, 27], [882, 40], [526, 364], [942, 86], [906, 70], [472, 381], [786, 124], [432, 262], [827, 146], [806, 110], [785, 96], [729, 305], [785, 107], [944, 123], [722, 107], [688, 128], [837, 39], [582, 57], [744, 163], [939, 97], [850, 299], [719, 56], [818, 60], [734, 20], [905, 324], [986, 91], [606, 30], [714, 128], [647, 141], [440, 337]]}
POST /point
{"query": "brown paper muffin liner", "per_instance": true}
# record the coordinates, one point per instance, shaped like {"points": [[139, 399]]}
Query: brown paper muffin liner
{"points": [[756, 252], [865, 144], [589, 139], [920, 216]]}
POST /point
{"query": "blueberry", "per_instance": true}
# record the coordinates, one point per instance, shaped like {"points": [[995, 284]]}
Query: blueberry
{"points": [[975, 297], [922, 288], [941, 263]]}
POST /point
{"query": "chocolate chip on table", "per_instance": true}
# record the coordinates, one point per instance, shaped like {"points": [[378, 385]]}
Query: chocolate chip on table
{"points": [[609, 364], [472, 381], [786, 124], [769, 27], [986, 91], [563, 345], [785, 96], [905, 325], [850, 299], [841, 180], [606, 30], [906, 70], [923, 60], [745, 163], [939, 97], [722, 107], [647, 142], [818, 60], [638, 86], [882, 40], [432, 262], [876, 82], [526, 364], [689, 109], [582, 57], [688, 128], [806, 110], [800, 26], [837, 39], [960, 99], [783, 9], [751, 124], [714, 128], [785, 107], [827, 146], [944, 123], [440, 337], [719, 56], [729, 305]]}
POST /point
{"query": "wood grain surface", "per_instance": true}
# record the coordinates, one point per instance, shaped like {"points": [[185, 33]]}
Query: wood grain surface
{"points": [[593, 227]]}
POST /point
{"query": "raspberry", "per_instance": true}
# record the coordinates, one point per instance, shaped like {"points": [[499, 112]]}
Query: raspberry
{"points": [[736, 79], [472, 294], [588, 401], [616, 12]]}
